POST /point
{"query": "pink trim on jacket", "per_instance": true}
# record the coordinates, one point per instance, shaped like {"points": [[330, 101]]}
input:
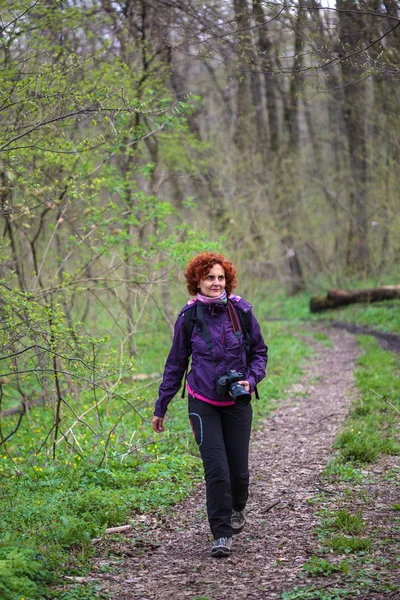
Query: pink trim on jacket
{"points": [[214, 402]]}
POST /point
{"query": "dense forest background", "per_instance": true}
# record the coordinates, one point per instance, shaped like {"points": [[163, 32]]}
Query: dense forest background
{"points": [[136, 133]]}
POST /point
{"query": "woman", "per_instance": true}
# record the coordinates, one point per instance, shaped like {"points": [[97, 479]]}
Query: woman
{"points": [[229, 358]]}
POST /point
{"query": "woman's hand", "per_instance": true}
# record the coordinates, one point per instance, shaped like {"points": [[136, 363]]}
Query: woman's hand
{"points": [[157, 424], [245, 384]]}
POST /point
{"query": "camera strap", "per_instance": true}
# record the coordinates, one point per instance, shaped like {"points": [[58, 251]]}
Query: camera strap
{"points": [[195, 316], [234, 319]]}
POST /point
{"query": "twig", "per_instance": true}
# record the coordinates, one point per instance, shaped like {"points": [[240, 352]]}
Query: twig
{"points": [[270, 506], [70, 443], [130, 450], [335, 414], [111, 432], [58, 406], [21, 416], [387, 401]]}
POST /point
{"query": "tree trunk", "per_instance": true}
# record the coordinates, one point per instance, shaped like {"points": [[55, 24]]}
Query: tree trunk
{"points": [[249, 96], [270, 86], [292, 106], [296, 273], [352, 34], [337, 298]]}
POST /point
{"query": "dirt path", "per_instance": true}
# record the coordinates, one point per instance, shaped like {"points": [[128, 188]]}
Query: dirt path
{"points": [[171, 559]]}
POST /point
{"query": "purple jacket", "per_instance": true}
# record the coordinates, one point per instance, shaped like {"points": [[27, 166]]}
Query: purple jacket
{"points": [[227, 353]]}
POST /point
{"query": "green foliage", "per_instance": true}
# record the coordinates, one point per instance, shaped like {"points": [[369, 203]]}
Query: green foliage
{"points": [[81, 592], [321, 566], [371, 428], [20, 569], [337, 469], [347, 544], [312, 593], [347, 522], [319, 336], [380, 316]]}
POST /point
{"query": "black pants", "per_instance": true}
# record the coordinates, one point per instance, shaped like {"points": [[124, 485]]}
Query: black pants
{"points": [[223, 435]]}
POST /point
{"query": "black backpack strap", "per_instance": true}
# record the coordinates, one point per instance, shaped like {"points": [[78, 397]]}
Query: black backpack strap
{"points": [[189, 320], [192, 316], [203, 328]]}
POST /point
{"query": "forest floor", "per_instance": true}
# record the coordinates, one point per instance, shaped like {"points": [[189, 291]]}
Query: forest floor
{"points": [[168, 556]]}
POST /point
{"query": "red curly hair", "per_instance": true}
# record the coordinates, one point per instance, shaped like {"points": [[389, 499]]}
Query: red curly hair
{"points": [[199, 267]]}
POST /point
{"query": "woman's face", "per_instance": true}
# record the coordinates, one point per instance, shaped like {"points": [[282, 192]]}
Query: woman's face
{"points": [[214, 283]]}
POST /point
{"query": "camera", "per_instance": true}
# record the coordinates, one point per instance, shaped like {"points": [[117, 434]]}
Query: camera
{"points": [[228, 384]]}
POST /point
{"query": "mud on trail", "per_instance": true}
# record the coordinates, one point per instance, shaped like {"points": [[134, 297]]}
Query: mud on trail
{"points": [[170, 558]]}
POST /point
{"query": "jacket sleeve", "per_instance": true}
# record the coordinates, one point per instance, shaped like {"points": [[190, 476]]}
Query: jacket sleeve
{"points": [[175, 367], [258, 356]]}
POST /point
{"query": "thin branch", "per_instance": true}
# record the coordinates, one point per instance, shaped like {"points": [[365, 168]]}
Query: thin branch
{"points": [[82, 112], [78, 378], [387, 401], [38, 347], [282, 71], [3, 440], [19, 17], [110, 433], [158, 128]]}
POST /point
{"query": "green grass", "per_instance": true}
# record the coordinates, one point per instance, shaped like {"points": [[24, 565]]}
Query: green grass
{"points": [[19, 567], [282, 307], [322, 337], [342, 543], [337, 469], [317, 566], [371, 427], [380, 316], [347, 522], [313, 593]]}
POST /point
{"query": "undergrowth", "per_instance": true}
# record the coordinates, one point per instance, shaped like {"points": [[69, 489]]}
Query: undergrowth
{"points": [[370, 429]]}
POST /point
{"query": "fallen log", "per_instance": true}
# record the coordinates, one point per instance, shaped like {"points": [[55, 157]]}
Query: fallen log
{"points": [[119, 529], [337, 298]]}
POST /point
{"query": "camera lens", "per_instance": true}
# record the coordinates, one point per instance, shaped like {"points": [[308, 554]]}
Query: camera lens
{"points": [[239, 393]]}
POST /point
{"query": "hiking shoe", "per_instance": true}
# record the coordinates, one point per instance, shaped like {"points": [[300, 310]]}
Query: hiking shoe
{"points": [[221, 547], [238, 521]]}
